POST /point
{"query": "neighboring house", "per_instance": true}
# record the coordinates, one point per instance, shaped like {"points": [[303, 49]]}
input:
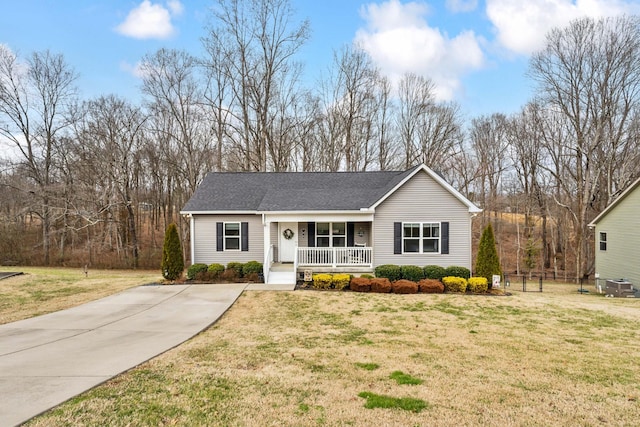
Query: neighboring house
{"points": [[329, 221], [617, 237]]}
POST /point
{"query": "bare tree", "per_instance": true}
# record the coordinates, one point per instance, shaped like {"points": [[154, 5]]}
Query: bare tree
{"points": [[258, 40], [589, 73], [34, 96]]}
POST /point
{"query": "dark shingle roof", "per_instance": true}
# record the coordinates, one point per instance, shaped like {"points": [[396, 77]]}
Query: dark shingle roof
{"points": [[292, 191]]}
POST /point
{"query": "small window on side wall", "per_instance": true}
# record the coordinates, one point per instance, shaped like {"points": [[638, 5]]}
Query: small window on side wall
{"points": [[603, 241]]}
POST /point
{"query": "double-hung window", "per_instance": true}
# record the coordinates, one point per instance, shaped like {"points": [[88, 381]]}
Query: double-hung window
{"points": [[331, 234], [603, 241], [421, 237], [231, 236]]}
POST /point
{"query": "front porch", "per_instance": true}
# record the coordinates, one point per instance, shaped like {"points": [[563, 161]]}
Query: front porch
{"points": [[330, 245]]}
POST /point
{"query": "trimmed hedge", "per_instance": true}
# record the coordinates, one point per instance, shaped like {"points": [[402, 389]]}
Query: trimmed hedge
{"points": [[237, 266], [434, 272], [478, 284], [457, 271], [389, 271], [431, 286], [322, 281], [215, 269], [340, 281], [194, 269], [380, 285], [412, 273], [252, 267], [367, 276], [454, 284], [360, 284], [404, 286]]}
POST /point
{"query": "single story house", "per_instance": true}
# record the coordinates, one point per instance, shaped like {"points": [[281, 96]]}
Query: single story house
{"points": [[617, 238], [329, 221]]}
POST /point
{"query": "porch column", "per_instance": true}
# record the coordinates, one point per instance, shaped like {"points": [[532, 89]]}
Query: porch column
{"points": [[266, 265]]}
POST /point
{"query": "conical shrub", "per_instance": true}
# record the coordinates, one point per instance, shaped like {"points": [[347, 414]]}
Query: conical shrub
{"points": [[487, 262], [172, 260]]}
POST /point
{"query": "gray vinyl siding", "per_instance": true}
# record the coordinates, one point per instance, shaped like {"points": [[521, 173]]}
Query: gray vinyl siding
{"points": [[422, 199], [205, 239], [621, 260]]}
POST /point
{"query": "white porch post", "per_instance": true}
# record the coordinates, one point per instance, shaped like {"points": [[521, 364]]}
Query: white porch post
{"points": [[266, 246]]}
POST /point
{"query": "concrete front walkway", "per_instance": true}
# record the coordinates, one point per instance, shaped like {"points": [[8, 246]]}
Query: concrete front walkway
{"points": [[48, 359]]}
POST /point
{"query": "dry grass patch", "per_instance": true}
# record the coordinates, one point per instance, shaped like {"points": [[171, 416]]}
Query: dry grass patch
{"points": [[44, 290], [296, 359]]}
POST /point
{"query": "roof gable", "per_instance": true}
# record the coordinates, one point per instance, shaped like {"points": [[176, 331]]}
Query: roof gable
{"points": [[615, 203]]}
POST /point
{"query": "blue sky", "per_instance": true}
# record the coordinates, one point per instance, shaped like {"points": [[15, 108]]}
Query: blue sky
{"points": [[475, 51]]}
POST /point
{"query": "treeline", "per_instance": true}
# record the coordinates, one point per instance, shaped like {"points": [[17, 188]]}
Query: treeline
{"points": [[100, 179]]}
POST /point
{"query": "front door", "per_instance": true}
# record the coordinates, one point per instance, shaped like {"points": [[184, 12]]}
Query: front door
{"points": [[288, 241]]}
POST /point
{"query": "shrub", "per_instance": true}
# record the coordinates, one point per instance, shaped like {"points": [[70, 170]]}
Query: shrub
{"points": [[230, 275], [194, 269], [487, 262], [389, 271], [322, 281], [380, 285], [478, 284], [237, 266], [252, 267], [367, 276], [404, 286], [172, 263], [431, 286], [360, 284], [454, 284], [434, 272], [215, 270], [412, 272], [457, 271], [340, 281]]}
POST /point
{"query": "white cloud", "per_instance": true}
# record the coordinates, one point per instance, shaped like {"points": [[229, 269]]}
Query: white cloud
{"points": [[148, 20], [457, 6], [399, 40], [521, 26]]}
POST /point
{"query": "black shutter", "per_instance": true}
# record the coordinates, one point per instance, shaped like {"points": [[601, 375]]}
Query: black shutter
{"points": [[397, 237], [444, 239], [311, 237], [219, 237], [244, 236], [351, 228]]}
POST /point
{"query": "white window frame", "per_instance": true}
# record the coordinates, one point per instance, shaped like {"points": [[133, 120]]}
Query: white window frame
{"points": [[331, 235], [602, 241], [224, 236], [421, 237]]}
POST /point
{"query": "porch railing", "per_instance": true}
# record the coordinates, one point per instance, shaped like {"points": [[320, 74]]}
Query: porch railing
{"points": [[335, 257]]}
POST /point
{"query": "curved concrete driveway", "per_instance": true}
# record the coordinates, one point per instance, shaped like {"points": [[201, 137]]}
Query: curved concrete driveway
{"points": [[48, 359]]}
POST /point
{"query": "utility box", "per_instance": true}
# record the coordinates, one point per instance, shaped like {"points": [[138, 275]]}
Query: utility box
{"points": [[619, 288]]}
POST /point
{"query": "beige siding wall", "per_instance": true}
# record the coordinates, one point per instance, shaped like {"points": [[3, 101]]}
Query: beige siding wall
{"points": [[422, 200], [622, 257], [205, 239]]}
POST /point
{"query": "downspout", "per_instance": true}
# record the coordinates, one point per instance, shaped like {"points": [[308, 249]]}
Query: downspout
{"points": [[473, 215]]}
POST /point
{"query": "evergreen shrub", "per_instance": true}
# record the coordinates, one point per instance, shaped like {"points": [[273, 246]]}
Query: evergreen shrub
{"points": [[172, 264], [455, 284], [412, 273], [389, 271], [477, 285], [434, 272], [457, 271]]}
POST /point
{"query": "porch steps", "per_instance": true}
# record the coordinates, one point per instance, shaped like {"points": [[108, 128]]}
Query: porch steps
{"points": [[281, 278]]}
